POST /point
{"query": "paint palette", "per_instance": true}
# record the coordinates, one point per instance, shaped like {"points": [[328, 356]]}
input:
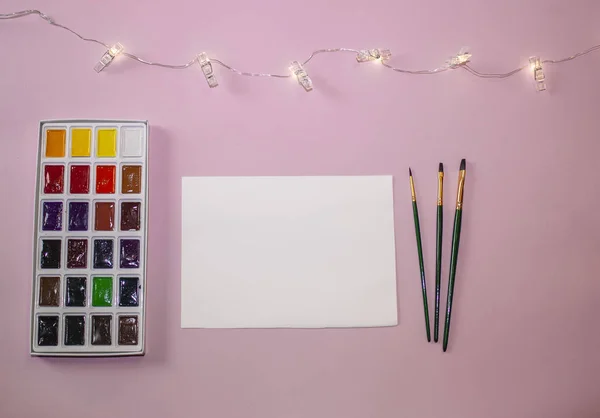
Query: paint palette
{"points": [[89, 275]]}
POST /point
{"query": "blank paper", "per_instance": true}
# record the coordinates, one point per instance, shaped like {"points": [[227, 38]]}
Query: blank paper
{"points": [[298, 252]]}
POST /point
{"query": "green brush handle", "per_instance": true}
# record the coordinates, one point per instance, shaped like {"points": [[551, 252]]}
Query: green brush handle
{"points": [[422, 269], [453, 261], [438, 270]]}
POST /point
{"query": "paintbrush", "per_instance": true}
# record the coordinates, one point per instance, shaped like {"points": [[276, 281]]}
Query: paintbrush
{"points": [[419, 252], [438, 251], [454, 250]]}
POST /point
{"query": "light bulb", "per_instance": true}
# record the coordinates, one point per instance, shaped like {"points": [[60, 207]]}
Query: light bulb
{"points": [[108, 57], [462, 58], [207, 70], [301, 75], [380, 55], [535, 64]]}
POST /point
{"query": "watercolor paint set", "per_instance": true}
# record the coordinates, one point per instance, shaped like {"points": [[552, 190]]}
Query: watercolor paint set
{"points": [[90, 239]]}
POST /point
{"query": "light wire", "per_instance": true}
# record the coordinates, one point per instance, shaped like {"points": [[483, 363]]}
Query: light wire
{"points": [[465, 66]]}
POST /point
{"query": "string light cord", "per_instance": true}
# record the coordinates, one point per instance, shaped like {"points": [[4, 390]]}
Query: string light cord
{"points": [[322, 51], [574, 56], [416, 72], [24, 13], [461, 60], [247, 74], [158, 64], [493, 75]]}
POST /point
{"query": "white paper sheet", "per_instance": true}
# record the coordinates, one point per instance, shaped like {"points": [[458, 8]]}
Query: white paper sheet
{"points": [[298, 252]]}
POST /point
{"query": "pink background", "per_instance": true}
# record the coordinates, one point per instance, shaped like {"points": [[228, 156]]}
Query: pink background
{"points": [[525, 338]]}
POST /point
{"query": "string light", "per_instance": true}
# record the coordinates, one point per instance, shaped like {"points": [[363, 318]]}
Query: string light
{"points": [[365, 55], [207, 69], [303, 78], [538, 73], [460, 60], [108, 57]]}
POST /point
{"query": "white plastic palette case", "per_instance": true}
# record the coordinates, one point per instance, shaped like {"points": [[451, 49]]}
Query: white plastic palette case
{"points": [[90, 239]]}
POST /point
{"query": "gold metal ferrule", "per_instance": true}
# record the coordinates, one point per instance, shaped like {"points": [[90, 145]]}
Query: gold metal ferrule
{"points": [[412, 190], [461, 188], [440, 188]]}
